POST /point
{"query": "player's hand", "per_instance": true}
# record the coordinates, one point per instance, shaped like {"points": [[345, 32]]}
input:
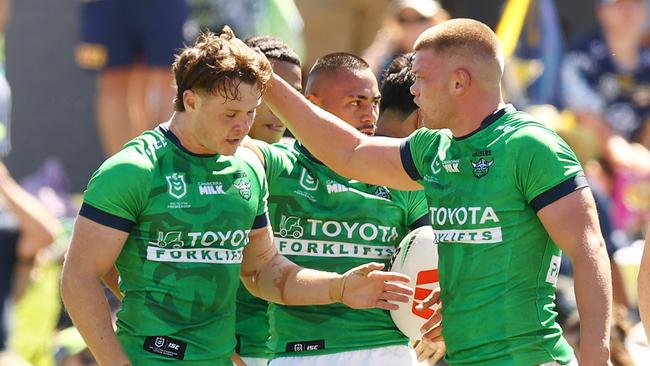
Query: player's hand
{"points": [[366, 286], [432, 328], [430, 351]]}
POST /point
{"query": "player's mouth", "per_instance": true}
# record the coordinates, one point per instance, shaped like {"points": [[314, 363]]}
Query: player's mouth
{"points": [[368, 130], [236, 141], [275, 127]]}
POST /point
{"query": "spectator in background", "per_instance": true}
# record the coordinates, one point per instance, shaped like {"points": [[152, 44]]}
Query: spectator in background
{"points": [[132, 45], [5, 92], [339, 25], [398, 113], [26, 227], [285, 62], [406, 20]]}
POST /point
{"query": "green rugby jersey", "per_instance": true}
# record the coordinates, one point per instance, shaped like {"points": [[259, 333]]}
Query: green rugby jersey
{"points": [[498, 266], [324, 221], [188, 217]]}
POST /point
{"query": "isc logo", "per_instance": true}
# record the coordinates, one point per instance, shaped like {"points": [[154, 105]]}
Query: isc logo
{"points": [[427, 277]]}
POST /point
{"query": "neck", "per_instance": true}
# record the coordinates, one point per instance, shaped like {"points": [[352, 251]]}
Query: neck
{"points": [[180, 126], [470, 117], [623, 49]]}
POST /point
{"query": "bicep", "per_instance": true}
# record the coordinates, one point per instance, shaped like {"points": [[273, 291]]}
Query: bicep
{"points": [[572, 223], [378, 161], [94, 247]]}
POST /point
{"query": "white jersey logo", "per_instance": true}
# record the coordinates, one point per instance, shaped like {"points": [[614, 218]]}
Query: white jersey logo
{"points": [[307, 181], [176, 185], [451, 166]]}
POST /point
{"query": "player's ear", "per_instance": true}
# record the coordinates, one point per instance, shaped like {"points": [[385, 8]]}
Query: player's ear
{"points": [[461, 80], [191, 100], [313, 98]]}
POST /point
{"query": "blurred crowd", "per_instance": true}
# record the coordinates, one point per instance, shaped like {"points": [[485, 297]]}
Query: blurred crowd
{"points": [[595, 93]]}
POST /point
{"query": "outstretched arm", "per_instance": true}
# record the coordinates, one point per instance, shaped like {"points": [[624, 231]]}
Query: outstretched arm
{"points": [[374, 160], [269, 275], [572, 223]]}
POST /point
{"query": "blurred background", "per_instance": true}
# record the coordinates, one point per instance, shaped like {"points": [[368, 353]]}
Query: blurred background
{"points": [[582, 66]]}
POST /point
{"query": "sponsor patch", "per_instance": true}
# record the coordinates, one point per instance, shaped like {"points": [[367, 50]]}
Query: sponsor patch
{"points": [[165, 346]]}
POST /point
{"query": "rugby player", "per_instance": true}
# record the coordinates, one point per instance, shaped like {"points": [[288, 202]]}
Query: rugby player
{"points": [[325, 221], [506, 196], [183, 215]]}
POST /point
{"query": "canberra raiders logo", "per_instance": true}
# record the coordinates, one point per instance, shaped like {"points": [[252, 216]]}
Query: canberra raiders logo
{"points": [[176, 185], [244, 187], [382, 192], [482, 167]]}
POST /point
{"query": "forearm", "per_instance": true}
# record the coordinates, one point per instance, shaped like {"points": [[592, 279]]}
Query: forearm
{"points": [[85, 302], [326, 136], [34, 219], [593, 290], [283, 282]]}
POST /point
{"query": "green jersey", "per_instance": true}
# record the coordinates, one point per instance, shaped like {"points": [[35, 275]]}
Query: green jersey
{"points": [[498, 266], [188, 217], [327, 222]]}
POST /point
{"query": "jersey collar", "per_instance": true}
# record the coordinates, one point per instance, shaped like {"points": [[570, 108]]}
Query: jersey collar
{"points": [[488, 121]]}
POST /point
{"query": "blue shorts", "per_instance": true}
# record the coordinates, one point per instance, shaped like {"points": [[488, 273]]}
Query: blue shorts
{"points": [[118, 33]]}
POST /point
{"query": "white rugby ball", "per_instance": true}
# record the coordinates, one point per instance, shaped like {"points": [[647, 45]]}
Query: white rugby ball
{"points": [[417, 257]]}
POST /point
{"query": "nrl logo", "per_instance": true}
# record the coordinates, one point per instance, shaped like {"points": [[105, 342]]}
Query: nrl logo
{"points": [[482, 167], [176, 185], [244, 187]]}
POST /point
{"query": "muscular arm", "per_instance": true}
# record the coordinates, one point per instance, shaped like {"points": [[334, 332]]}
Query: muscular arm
{"points": [[644, 286], [92, 254], [269, 275], [374, 160], [572, 223]]}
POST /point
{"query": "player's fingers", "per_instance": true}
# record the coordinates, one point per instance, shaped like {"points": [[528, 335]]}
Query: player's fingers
{"points": [[429, 301], [439, 354], [394, 297], [395, 287], [432, 323], [383, 304], [390, 276], [434, 334]]}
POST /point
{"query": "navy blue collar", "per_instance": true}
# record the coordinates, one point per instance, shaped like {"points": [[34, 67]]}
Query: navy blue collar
{"points": [[489, 120]]}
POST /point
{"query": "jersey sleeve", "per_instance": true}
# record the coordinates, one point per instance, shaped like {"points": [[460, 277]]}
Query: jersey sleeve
{"points": [[413, 150], [418, 209], [274, 159], [118, 191], [261, 215], [546, 169]]}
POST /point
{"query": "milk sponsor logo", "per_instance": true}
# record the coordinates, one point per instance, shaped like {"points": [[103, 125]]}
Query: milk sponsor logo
{"points": [[211, 188], [466, 217], [451, 166], [335, 187]]}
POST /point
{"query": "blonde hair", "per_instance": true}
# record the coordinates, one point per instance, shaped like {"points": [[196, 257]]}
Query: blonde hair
{"points": [[465, 38]]}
